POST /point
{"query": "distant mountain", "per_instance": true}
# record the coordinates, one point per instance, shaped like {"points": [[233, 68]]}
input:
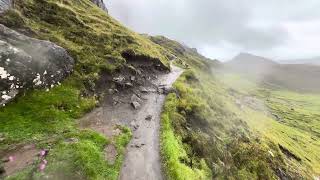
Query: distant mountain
{"points": [[313, 61], [299, 77], [251, 59], [245, 62]]}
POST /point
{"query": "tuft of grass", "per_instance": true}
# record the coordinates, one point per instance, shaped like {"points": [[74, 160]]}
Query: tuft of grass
{"points": [[172, 149], [39, 115]]}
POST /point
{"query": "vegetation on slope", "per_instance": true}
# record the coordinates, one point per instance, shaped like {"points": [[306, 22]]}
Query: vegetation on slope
{"points": [[100, 46], [177, 162], [204, 122], [293, 121]]}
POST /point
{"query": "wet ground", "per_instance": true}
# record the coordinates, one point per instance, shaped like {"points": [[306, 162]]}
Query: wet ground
{"points": [[142, 160]]}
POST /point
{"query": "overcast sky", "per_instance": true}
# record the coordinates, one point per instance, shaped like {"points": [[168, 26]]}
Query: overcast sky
{"points": [[220, 29]]}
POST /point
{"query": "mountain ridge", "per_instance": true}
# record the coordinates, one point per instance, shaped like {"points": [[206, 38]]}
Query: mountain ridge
{"points": [[298, 77]]}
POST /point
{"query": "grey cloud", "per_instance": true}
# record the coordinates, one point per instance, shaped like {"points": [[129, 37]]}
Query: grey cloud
{"points": [[246, 24]]}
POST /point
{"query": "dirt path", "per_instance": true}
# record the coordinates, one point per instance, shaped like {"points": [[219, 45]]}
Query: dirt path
{"points": [[142, 160]]}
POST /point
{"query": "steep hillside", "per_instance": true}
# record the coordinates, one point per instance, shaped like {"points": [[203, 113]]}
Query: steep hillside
{"points": [[208, 133], [296, 77], [46, 119]]}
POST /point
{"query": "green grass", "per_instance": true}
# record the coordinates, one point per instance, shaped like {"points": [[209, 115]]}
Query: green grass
{"points": [[84, 159], [204, 122], [172, 149], [238, 83], [296, 126], [40, 115], [189, 127]]}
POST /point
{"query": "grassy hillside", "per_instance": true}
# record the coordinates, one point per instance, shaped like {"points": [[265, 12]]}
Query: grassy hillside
{"points": [[292, 119], [207, 132], [101, 47]]}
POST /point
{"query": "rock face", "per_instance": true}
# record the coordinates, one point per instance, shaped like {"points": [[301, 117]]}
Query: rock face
{"points": [[29, 63], [5, 5], [100, 4]]}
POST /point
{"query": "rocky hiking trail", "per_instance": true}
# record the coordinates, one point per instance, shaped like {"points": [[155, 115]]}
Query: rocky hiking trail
{"points": [[140, 109]]}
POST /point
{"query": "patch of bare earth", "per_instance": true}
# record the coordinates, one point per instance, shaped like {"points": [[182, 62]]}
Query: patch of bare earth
{"points": [[19, 159]]}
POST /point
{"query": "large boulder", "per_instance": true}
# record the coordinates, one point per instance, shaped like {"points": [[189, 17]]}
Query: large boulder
{"points": [[5, 5], [29, 63], [100, 4]]}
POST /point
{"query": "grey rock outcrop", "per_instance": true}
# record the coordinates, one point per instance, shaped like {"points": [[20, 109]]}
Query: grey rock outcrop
{"points": [[29, 63], [100, 4], [5, 5]]}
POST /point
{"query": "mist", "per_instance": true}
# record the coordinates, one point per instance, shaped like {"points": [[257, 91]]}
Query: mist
{"points": [[222, 29]]}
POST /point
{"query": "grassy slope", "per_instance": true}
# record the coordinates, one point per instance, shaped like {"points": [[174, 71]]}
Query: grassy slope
{"points": [[204, 123], [297, 128], [173, 150], [96, 42]]}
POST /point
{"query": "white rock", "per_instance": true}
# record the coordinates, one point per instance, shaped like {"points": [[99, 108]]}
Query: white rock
{"points": [[11, 78], [3, 73], [6, 97], [15, 50], [37, 80]]}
